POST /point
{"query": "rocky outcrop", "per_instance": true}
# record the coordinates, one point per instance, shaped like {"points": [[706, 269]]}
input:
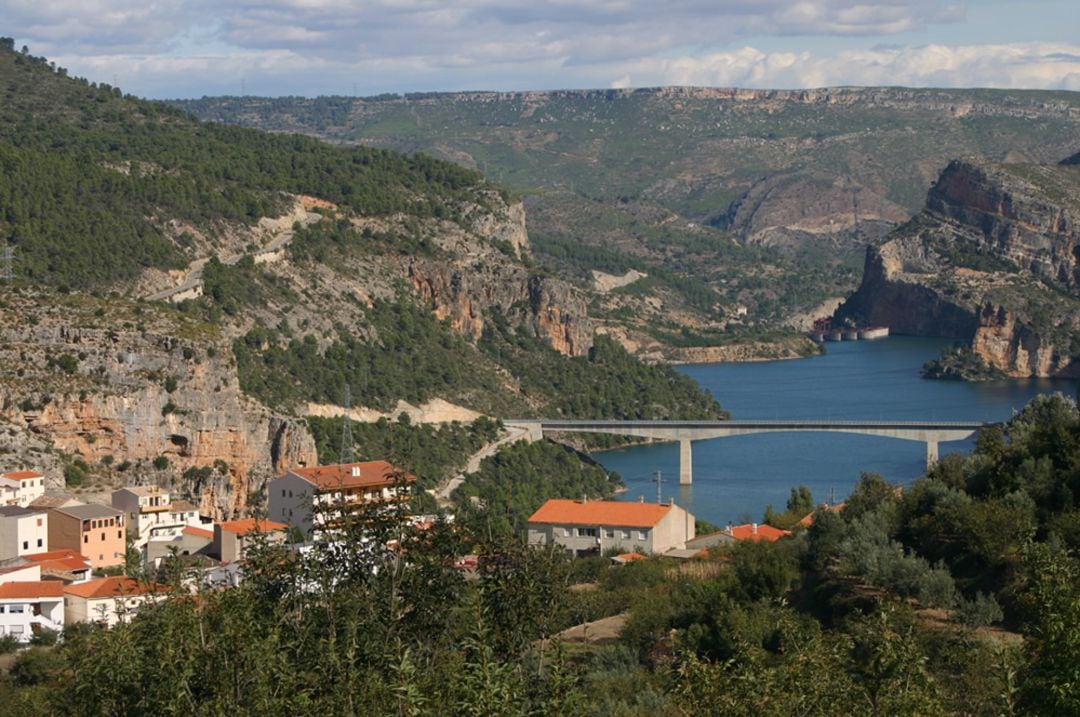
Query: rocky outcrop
{"points": [[140, 394], [476, 279], [1012, 217], [992, 261]]}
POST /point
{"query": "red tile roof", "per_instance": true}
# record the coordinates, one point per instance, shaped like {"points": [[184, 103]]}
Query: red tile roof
{"points": [[61, 554], [756, 532], [32, 589], [808, 519], [22, 474], [369, 474], [600, 512], [192, 530], [111, 587], [630, 557], [251, 525]]}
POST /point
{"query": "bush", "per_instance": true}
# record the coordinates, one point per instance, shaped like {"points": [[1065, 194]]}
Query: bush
{"points": [[74, 475], [983, 610], [161, 463]]}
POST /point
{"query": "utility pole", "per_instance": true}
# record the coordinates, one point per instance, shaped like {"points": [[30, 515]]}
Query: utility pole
{"points": [[347, 453], [6, 260], [659, 480]]}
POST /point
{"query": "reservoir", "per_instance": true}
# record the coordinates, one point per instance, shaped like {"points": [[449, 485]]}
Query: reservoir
{"points": [[736, 477]]}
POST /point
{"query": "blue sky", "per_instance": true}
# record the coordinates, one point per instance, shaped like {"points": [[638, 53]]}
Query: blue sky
{"points": [[176, 48]]}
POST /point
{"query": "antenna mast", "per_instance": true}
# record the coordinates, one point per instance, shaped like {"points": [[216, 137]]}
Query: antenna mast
{"points": [[346, 454], [659, 480]]}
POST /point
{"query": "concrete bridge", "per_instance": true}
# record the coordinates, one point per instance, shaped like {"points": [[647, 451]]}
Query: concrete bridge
{"points": [[685, 432]]}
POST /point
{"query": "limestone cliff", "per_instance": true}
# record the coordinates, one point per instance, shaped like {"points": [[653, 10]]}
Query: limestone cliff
{"points": [[119, 384], [994, 260], [479, 274]]}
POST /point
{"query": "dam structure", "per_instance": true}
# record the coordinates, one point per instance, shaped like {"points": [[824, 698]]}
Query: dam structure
{"points": [[685, 432]]}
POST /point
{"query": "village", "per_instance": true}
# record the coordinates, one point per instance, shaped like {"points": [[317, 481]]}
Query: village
{"points": [[64, 562]]}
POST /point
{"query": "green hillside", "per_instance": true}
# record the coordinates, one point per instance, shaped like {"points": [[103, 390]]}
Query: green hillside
{"points": [[90, 178]]}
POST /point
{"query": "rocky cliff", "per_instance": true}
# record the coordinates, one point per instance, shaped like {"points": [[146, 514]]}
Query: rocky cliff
{"points": [[139, 394], [994, 260]]}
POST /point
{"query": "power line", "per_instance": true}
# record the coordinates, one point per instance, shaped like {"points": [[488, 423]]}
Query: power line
{"points": [[346, 454]]}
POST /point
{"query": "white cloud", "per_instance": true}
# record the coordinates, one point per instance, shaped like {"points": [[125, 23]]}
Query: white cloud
{"points": [[173, 48], [1028, 65]]}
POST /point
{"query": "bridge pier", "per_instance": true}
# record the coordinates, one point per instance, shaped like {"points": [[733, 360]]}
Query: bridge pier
{"points": [[931, 454], [686, 461]]}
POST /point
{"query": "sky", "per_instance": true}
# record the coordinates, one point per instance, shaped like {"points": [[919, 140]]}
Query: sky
{"points": [[192, 48]]}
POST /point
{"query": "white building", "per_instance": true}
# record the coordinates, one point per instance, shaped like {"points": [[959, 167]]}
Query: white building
{"points": [[28, 607], [108, 600], [592, 527], [310, 497], [153, 515], [23, 531], [21, 487]]}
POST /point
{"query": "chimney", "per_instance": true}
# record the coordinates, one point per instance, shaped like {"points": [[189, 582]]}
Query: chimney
{"points": [[641, 499], [356, 470], [753, 527]]}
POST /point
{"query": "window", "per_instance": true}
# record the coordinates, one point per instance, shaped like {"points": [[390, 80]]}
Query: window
{"points": [[120, 534], [103, 536], [26, 545], [3, 609], [282, 492], [626, 535], [17, 609], [610, 533], [100, 556], [643, 535], [39, 543], [39, 522], [86, 538], [588, 532]]}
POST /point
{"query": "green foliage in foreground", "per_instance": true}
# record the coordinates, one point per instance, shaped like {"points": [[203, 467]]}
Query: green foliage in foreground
{"points": [[517, 480], [822, 624], [431, 453]]}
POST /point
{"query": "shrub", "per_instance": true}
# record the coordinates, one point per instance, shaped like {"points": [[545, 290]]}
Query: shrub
{"points": [[161, 463]]}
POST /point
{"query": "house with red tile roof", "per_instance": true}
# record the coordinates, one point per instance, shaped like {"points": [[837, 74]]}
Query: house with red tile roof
{"points": [[755, 532], [592, 527], [21, 487], [109, 600], [808, 519], [310, 498], [69, 566], [232, 537], [29, 606]]}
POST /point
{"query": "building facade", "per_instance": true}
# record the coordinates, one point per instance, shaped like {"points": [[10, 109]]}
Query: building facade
{"points": [[152, 514], [27, 608], [311, 498], [108, 600], [96, 531], [232, 537], [21, 487], [594, 527], [23, 531]]}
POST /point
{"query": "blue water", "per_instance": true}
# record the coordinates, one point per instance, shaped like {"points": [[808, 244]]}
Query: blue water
{"points": [[736, 477]]}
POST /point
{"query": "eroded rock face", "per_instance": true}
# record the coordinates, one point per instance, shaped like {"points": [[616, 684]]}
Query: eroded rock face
{"points": [[1013, 220], [478, 279], [993, 261], [142, 394]]}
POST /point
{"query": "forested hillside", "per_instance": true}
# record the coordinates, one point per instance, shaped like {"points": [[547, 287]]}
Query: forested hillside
{"points": [[311, 272], [724, 197]]}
